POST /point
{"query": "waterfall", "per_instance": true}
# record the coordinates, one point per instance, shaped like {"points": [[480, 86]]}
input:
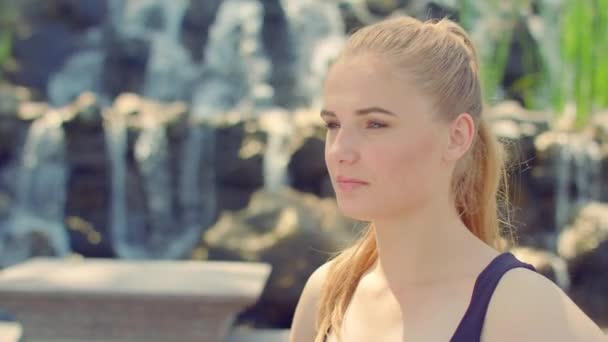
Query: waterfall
{"points": [[563, 178], [278, 125], [40, 192], [587, 166], [82, 72], [316, 45], [235, 77], [236, 69], [579, 163], [233, 74], [152, 157], [124, 233], [171, 71], [197, 193]]}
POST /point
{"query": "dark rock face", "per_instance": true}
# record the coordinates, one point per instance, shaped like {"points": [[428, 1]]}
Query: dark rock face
{"points": [[11, 126], [584, 245], [55, 31], [88, 180], [42, 53], [125, 64], [271, 228], [80, 14], [240, 155], [277, 43], [199, 17], [307, 166]]}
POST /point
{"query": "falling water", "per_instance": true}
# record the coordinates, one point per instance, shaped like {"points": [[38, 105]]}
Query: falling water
{"points": [[316, 45], [563, 179], [123, 234], [578, 162], [171, 71], [233, 76], [278, 125], [197, 193], [233, 72], [152, 157], [40, 192], [236, 69], [82, 72]]}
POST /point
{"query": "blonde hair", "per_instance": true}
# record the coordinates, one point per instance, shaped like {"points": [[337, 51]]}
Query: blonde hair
{"points": [[439, 56]]}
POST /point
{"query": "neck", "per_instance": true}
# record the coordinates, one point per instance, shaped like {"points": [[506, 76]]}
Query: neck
{"points": [[414, 249]]}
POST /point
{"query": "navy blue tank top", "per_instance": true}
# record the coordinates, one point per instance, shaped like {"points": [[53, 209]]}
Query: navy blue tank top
{"points": [[469, 329], [471, 325]]}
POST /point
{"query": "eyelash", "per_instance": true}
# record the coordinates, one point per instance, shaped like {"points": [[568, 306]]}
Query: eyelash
{"points": [[332, 125]]}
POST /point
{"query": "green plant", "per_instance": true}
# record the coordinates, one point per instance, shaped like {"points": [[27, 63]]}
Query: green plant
{"points": [[491, 28], [8, 20], [525, 86], [574, 54], [5, 49], [578, 46], [600, 82], [491, 25]]}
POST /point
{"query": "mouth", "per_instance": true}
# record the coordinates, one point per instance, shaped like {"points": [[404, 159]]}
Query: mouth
{"points": [[346, 180], [348, 184]]}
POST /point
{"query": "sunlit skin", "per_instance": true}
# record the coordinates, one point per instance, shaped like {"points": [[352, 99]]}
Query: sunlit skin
{"points": [[383, 133], [391, 159]]}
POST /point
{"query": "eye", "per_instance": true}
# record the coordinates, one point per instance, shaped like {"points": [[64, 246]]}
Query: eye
{"points": [[375, 124], [331, 125]]}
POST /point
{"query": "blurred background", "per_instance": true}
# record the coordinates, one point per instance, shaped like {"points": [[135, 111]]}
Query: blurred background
{"points": [[189, 129]]}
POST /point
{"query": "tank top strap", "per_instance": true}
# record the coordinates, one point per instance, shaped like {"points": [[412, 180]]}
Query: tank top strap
{"points": [[470, 327]]}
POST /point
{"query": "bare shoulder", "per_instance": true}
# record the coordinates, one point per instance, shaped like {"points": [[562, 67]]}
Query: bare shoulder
{"points": [[526, 306], [303, 326]]}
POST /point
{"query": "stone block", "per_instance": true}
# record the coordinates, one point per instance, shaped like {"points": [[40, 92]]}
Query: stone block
{"points": [[126, 300]]}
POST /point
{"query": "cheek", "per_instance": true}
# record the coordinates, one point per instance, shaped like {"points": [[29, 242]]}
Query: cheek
{"points": [[328, 162], [410, 163]]}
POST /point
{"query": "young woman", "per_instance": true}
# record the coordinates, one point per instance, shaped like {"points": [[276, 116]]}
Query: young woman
{"points": [[408, 150]]}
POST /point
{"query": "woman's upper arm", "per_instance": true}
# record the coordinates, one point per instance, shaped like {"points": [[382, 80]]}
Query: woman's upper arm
{"points": [[303, 328], [526, 306]]}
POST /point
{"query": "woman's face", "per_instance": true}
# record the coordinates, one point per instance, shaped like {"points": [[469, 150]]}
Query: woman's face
{"points": [[384, 143]]}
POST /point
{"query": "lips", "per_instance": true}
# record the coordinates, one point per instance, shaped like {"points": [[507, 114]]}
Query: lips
{"points": [[345, 180], [349, 184]]}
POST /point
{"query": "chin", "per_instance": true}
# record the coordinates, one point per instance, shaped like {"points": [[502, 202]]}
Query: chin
{"points": [[356, 212]]}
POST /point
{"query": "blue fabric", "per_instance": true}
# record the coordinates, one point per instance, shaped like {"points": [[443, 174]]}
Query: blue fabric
{"points": [[470, 327]]}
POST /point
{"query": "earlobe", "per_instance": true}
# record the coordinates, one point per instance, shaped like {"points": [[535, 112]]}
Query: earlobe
{"points": [[461, 133]]}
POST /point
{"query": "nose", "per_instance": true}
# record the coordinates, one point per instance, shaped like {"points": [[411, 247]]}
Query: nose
{"points": [[342, 148]]}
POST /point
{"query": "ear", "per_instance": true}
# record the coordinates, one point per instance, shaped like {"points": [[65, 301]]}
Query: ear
{"points": [[461, 132]]}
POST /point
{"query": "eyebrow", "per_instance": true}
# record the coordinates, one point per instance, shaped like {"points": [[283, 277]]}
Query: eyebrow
{"points": [[362, 111]]}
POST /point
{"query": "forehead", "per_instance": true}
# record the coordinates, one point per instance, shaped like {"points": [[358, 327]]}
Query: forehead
{"points": [[367, 80]]}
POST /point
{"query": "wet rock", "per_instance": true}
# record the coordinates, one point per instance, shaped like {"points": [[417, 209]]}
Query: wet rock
{"points": [[197, 20], [240, 154], [584, 245], [294, 232], [125, 64], [89, 178], [12, 125], [307, 167], [568, 174]]}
